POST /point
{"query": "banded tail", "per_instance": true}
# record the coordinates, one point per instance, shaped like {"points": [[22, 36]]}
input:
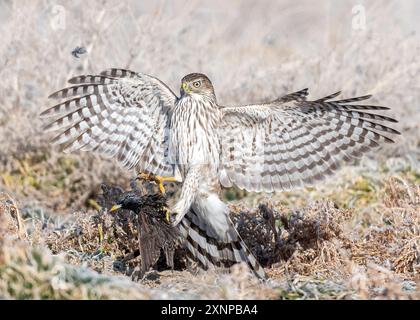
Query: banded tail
{"points": [[212, 239]]}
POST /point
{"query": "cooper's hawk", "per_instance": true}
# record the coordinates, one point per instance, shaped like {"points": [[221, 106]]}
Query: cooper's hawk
{"points": [[280, 145]]}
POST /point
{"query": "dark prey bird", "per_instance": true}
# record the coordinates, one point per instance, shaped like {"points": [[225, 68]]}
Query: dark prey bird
{"points": [[154, 231]]}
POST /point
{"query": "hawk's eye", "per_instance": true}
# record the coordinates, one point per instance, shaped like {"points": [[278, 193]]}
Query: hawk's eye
{"points": [[196, 84]]}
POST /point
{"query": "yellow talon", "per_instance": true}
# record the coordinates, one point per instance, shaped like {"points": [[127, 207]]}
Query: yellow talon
{"points": [[159, 180], [145, 176], [161, 187]]}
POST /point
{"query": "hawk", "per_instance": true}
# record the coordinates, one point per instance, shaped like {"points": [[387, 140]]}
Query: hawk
{"points": [[280, 145]]}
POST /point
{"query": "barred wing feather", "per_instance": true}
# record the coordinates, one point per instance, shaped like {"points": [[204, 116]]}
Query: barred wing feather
{"points": [[292, 142], [120, 114]]}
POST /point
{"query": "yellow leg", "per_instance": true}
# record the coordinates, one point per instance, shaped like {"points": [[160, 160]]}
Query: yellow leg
{"points": [[145, 176], [159, 180]]}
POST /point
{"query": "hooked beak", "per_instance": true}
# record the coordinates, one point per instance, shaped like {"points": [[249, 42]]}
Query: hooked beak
{"points": [[185, 88], [115, 207]]}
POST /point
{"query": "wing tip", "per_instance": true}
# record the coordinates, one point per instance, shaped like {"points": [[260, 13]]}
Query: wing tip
{"points": [[304, 91], [52, 96], [74, 80], [388, 140], [365, 97], [47, 127], [45, 114], [331, 96]]}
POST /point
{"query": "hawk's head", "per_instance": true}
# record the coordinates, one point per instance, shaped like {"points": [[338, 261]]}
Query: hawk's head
{"points": [[196, 83]]}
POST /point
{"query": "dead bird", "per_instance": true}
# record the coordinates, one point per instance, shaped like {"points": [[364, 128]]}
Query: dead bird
{"points": [[154, 231], [78, 51]]}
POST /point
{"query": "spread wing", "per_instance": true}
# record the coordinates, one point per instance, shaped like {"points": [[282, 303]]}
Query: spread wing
{"points": [[120, 114], [292, 142]]}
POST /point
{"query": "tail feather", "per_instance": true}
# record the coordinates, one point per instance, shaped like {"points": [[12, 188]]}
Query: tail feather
{"points": [[213, 251]]}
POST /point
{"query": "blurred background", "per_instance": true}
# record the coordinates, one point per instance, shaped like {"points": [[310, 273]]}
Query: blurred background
{"points": [[252, 51]]}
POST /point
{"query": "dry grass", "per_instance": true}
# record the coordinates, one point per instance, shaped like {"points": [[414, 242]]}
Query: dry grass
{"points": [[312, 253], [355, 236], [31, 271]]}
